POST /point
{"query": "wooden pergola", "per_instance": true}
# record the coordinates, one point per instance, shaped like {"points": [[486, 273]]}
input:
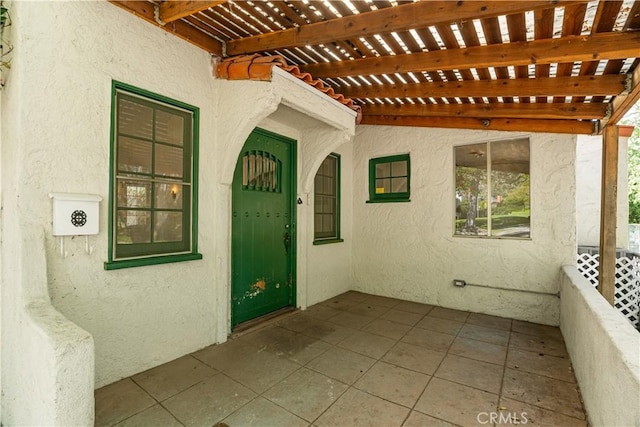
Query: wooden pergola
{"points": [[560, 66]]}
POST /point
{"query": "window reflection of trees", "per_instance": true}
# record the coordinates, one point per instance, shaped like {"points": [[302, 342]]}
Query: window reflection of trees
{"points": [[495, 204]]}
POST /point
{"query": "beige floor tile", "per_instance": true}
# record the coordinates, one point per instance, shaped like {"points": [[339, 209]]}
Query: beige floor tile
{"points": [[285, 343], [444, 326], [489, 321], [329, 332], [544, 345], [298, 322], [393, 383], [342, 365], [418, 419], [260, 371], [222, 356], [321, 312], [522, 413], [387, 329], [456, 403], [306, 393], [536, 329], [548, 366], [171, 378], [480, 333], [449, 313], [414, 307], [154, 416], [383, 301], [414, 357], [120, 400], [374, 346], [356, 408], [354, 296], [476, 374], [479, 350], [548, 393], [403, 317], [339, 303], [367, 309], [319, 366], [208, 401], [350, 320], [428, 339], [262, 413]]}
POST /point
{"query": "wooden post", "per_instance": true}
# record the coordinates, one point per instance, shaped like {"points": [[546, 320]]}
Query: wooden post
{"points": [[608, 212]]}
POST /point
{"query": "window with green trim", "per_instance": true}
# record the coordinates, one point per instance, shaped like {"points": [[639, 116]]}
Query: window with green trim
{"points": [[389, 179], [153, 201], [326, 195]]}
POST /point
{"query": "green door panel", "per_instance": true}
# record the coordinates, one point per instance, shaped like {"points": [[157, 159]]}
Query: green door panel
{"points": [[263, 227]]}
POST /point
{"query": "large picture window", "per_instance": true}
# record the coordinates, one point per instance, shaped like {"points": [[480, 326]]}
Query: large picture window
{"points": [[492, 189], [326, 194], [153, 179]]}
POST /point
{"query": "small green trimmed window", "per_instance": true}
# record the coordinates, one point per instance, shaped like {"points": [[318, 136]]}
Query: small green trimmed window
{"points": [[389, 179], [153, 179], [326, 195]]}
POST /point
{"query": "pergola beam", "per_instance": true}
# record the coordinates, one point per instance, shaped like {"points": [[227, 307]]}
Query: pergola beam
{"points": [[490, 111], [601, 46], [558, 86], [513, 125], [173, 10], [400, 18], [145, 10], [623, 102], [608, 214]]}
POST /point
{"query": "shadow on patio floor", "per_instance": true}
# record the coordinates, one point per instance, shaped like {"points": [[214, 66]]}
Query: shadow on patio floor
{"points": [[358, 360]]}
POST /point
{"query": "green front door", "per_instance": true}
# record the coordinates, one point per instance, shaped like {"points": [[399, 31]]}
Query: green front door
{"points": [[263, 227]]}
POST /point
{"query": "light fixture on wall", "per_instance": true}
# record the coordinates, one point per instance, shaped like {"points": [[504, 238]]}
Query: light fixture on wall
{"points": [[174, 192]]}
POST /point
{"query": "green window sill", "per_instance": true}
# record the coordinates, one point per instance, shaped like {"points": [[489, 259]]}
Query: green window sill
{"points": [[138, 262], [327, 241], [389, 201]]}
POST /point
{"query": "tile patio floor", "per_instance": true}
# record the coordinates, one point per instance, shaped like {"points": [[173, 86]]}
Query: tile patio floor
{"points": [[360, 360]]}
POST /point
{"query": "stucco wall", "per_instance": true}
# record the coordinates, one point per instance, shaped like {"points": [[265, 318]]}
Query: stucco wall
{"points": [[604, 350], [142, 316], [588, 191], [406, 250], [66, 59]]}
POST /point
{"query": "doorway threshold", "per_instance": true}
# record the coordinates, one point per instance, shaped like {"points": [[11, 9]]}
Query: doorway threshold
{"points": [[262, 322]]}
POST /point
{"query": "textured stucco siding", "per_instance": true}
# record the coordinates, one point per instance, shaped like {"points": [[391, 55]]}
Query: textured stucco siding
{"points": [[68, 56], [407, 250], [604, 350], [588, 191], [139, 317]]}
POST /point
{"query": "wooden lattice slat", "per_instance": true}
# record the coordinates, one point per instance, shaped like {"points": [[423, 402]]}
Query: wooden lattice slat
{"points": [[627, 288]]}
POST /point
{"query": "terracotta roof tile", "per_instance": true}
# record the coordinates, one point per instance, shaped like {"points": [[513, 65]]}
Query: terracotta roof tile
{"points": [[257, 67]]}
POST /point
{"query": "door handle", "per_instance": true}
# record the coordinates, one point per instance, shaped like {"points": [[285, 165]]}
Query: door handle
{"points": [[287, 242]]}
